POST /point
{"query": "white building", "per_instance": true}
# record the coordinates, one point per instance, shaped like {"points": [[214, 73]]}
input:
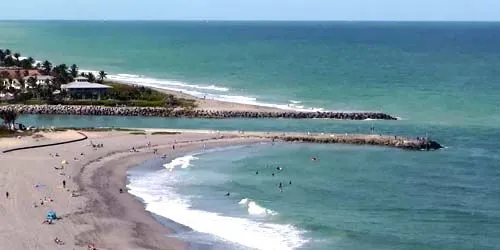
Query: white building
{"points": [[81, 79], [40, 80], [14, 83]]}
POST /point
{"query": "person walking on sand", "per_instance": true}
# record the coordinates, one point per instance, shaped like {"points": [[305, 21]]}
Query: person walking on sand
{"points": [[64, 183], [7, 195], [173, 147]]}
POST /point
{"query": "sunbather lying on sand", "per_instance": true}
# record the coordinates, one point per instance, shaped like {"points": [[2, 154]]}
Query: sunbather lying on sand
{"points": [[58, 241], [47, 222]]}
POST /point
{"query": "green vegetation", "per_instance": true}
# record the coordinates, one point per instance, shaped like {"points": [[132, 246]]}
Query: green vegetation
{"points": [[165, 133], [131, 95], [31, 92], [14, 70], [119, 95]]}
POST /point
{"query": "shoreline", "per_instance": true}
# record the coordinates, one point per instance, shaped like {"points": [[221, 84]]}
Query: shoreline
{"points": [[103, 180], [99, 215]]}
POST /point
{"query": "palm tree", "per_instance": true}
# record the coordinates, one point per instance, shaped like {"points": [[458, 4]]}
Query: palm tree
{"points": [[31, 61], [46, 67], [91, 77], [102, 76], [22, 84], [9, 61], [34, 87], [73, 70], [9, 117], [61, 70], [17, 55]]}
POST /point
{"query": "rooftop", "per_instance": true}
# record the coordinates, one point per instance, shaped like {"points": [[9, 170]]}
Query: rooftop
{"points": [[84, 85]]}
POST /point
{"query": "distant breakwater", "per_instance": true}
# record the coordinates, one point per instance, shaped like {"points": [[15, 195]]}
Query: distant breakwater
{"points": [[164, 112]]}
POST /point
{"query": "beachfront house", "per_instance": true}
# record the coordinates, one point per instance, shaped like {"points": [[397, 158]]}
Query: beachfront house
{"points": [[11, 83], [85, 90], [41, 80], [81, 79]]}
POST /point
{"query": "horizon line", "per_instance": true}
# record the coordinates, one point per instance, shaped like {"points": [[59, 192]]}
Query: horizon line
{"points": [[255, 20]]}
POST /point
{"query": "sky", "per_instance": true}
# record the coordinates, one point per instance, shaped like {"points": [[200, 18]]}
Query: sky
{"points": [[351, 10]]}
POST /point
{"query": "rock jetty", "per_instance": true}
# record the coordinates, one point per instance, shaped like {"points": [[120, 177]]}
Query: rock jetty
{"points": [[421, 144], [164, 112]]}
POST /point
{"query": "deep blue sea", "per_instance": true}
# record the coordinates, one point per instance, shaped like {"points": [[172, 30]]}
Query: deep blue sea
{"points": [[442, 79]]}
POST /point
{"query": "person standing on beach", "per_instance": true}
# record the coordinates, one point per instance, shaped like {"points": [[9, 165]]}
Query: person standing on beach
{"points": [[173, 147], [64, 183], [7, 195]]}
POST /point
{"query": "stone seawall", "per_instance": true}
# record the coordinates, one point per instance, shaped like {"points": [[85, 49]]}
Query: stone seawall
{"points": [[163, 112], [421, 144]]}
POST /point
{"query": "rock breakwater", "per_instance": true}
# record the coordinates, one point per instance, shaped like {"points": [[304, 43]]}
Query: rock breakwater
{"points": [[421, 144], [164, 112]]}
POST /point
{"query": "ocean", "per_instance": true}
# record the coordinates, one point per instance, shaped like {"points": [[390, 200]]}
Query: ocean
{"points": [[441, 79]]}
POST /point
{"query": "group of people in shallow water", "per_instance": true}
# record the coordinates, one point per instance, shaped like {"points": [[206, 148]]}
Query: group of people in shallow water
{"points": [[279, 169], [280, 185]]}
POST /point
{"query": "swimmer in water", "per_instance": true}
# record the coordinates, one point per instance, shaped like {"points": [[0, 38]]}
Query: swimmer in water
{"points": [[279, 168], [281, 185], [290, 182], [313, 158], [228, 194], [273, 174], [257, 172]]}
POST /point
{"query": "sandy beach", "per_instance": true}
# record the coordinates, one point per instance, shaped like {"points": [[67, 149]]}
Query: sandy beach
{"points": [[215, 105], [92, 211]]}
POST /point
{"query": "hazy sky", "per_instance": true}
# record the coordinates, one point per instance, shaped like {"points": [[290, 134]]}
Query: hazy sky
{"points": [[472, 10]]}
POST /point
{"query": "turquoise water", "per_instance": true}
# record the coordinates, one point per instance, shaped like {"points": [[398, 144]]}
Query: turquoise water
{"points": [[441, 78], [438, 73]]}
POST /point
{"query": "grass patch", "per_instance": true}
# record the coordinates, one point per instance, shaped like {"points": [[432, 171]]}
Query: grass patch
{"points": [[5, 132], [165, 133], [127, 129], [138, 133]]}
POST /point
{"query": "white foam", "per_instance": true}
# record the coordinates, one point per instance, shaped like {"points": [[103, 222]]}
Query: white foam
{"points": [[159, 83], [183, 162], [209, 91], [163, 200], [256, 209]]}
